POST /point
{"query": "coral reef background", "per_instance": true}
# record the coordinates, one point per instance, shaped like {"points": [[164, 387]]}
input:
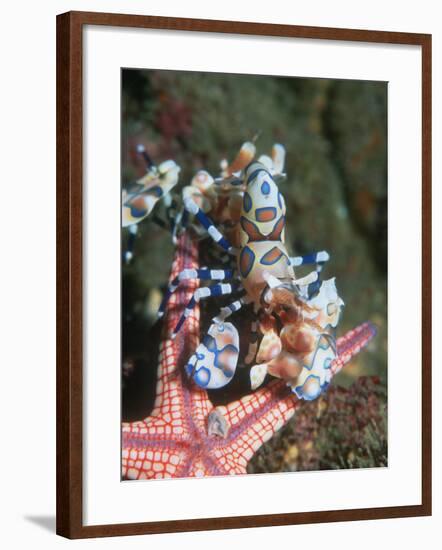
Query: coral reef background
{"points": [[335, 133]]}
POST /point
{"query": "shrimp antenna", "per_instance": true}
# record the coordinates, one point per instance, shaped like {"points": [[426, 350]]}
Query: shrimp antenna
{"points": [[141, 150], [256, 136]]}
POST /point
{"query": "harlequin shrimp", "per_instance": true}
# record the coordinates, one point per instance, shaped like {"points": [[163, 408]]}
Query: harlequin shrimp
{"points": [[221, 197], [294, 319], [139, 202]]}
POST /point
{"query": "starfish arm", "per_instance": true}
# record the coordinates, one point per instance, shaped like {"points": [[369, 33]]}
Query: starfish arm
{"points": [[153, 459], [200, 406], [251, 421], [351, 344], [172, 391], [159, 446], [254, 419], [185, 436], [168, 416]]}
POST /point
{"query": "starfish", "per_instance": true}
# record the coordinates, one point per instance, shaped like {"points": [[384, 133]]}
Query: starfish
{"points": [[186, 435]]}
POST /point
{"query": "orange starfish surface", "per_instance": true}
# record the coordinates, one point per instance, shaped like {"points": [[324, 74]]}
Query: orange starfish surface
{"points": [[185, 435]]}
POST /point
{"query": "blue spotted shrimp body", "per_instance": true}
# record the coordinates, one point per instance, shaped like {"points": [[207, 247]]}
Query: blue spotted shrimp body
{"points": [[290, 331], [139, 202], [217, 356], [156, 184], [262, 233]]}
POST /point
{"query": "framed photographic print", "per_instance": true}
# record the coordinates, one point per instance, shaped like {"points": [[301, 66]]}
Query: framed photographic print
{"points": [[243, 274]]}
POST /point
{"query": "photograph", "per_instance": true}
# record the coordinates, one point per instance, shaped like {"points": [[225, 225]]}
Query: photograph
{"points": [[254, 233]]}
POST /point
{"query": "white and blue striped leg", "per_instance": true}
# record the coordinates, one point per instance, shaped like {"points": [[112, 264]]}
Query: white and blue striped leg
{"points": [[208, 224], [318, 258], [129, 252], [227, 311], [222, 289], [313, 258], [186, 274], [141, 150]]}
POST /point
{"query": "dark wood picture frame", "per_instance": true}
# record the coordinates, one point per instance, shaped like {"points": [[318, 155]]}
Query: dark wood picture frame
{"points": [[70, 272]]}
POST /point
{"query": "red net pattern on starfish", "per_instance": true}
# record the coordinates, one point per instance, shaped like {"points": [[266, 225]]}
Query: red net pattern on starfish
{"points": [[180, 438]]}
